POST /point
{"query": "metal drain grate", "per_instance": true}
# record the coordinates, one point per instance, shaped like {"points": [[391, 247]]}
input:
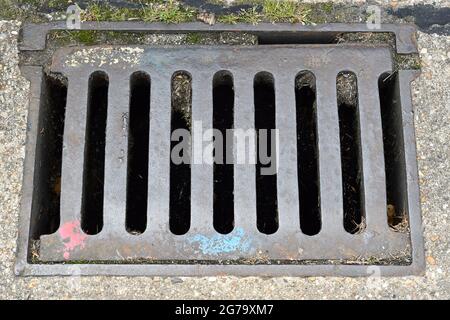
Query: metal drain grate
{"points": [[104, 194]]}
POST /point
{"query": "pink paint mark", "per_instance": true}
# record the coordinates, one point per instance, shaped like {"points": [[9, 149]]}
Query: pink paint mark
{"points": [[73, 237]]}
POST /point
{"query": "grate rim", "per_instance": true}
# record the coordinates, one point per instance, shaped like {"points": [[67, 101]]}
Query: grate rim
{"points": [[23, 267]]}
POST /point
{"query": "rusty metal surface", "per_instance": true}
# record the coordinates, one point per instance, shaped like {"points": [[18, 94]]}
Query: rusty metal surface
{"points": [[202, 251], [202, 242]]}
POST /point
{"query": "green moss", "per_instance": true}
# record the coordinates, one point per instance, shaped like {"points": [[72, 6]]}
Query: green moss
{"points": [[102, 12], [228, 18], [60, 38], [271, 11], [372, 38], [170, 12], [194, 38], [57, 4], [327, 7], [410, 61], [86, 37], [151, 11], [285, 11], [251, 15]]}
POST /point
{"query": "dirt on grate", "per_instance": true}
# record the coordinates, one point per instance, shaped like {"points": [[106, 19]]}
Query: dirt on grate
{"points": [[347, 89]]}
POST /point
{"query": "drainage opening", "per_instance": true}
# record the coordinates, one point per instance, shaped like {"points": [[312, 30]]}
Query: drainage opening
{"points": [[180, 172], [45, 217], [351, 158], [266, 183], [307, 153], [394, 155], [138, 144], [94, 154], [223, 114]]}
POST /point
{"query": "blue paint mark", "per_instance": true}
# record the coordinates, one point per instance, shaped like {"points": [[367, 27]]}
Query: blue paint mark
{"points": [[235, 241]]}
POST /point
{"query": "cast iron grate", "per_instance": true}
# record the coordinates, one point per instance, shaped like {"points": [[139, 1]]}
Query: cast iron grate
{"points": [[101, 191]]}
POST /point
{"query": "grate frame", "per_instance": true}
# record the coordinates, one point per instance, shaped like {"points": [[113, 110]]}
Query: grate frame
{"points": [[32, 40], [34, 36]]}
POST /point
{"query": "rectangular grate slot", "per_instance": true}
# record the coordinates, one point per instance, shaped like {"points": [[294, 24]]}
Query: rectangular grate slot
{"points": [[180, 170], [394, 155], [266, 181], [46, 194], [138, 137], [223, 112], [307, 153], [144, 186], [94, 154], [350, 137]]}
